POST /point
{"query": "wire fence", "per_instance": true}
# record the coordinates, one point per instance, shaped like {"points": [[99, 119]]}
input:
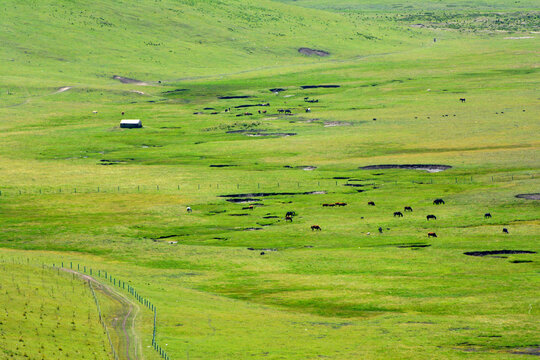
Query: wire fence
{"points": [[112, 281], [322, 184]]}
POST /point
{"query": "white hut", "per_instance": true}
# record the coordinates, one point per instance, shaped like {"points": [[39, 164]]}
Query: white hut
{"points": [[130, 124]]}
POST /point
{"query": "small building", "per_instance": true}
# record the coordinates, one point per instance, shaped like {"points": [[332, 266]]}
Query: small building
{"points": [[130, 124]]}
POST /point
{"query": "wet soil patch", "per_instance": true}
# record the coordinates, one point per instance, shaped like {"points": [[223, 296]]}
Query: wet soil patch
{"points": [[278, 90], [354, 185], [424, 167], [252, 229], [498, 252], [529, 196], [336, 123], [261, 249], [341, 177], [238, 214], [250, 196], [529, 351], [126, 80], [221, 165], [319, 86], [309, 52], [166, 237], [302, 167], [234, 97], [521, 261], [271, 217]]}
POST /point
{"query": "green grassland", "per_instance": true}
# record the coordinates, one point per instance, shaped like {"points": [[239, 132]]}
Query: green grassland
{"points": [[76, 187], [47, 315]]}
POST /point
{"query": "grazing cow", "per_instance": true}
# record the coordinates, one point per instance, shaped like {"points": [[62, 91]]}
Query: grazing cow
{"points": [[407, 208], [288, 218], [326, 205], [438, 201], [431, 234], [188, 209], [462, 100], [262, 253], [122, 113], [264, 111], [487, 215], [371, 203], [248, 114], [308, 110], [505, 230], [280, 111], [340, 204], [398, 214], [290, 213], [315, 227], [259, 111], [431, 217], [380, 230], [287, 111]]}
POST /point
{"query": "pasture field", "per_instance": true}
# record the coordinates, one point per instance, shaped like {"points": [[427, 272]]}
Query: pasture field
{"points": [[234, 279]]}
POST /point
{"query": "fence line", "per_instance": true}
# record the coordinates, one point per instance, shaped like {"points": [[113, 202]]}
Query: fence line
{"points": [[121, 284], [316, 184]]}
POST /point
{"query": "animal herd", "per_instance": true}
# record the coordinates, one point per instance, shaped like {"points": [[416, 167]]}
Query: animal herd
{"points": [[290, 214]]}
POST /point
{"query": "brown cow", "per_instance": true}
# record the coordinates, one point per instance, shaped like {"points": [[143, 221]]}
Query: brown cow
{"points": [[288, 218], [431, 234]]}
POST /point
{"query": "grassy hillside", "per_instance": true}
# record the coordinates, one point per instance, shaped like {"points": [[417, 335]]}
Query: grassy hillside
{"points": [[212, 82]]}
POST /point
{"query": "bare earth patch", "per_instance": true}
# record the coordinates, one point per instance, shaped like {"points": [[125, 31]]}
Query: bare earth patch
{"points": [[309, 52], [126, 80], [62, 89]]}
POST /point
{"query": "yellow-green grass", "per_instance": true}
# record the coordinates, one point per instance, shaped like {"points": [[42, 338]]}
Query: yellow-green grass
{"points": [[340, 293]]}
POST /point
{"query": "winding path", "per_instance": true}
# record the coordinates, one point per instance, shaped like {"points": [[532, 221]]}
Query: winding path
{"points": [[121, 321]]}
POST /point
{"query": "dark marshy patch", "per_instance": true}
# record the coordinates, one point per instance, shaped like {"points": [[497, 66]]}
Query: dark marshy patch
{"points": [[238, 214], [242, 200], [529, 196], [221, 165], [520, 261], [498, 252], [319, 86], [250, 196], [233, 97]]}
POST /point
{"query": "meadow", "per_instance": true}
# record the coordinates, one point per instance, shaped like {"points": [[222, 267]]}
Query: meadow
{"points": [[234, 279]]}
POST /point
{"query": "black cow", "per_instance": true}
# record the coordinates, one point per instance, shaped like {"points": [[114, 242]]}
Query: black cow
{"points": [[462, 100], [288, 218], [380, 230], [371, 203], [438, 201], [487, 215], [431, 217], [398, 214], [290, 213], [407, 208], [505, 230], [431, 234], [315, 227]]}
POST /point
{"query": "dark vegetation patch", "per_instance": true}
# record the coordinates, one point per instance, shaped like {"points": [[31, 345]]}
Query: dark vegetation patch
{"points": [[234, 97], [520, 261], [238, 214], [167, 237], [250, 105], [303, 167], [264, 194], [252, 229], [258, 133], [242, 200], [221, 165], [261, 249], [353, 185], [309, 52], [277, 89], [341, 177], [404, 246], [319, 86], [271, 217], [425, 167], [498, 252], [535, 196], [174, 91]]}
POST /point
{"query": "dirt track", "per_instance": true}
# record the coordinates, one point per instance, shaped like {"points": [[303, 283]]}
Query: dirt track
{"points": [[120, 320]]}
